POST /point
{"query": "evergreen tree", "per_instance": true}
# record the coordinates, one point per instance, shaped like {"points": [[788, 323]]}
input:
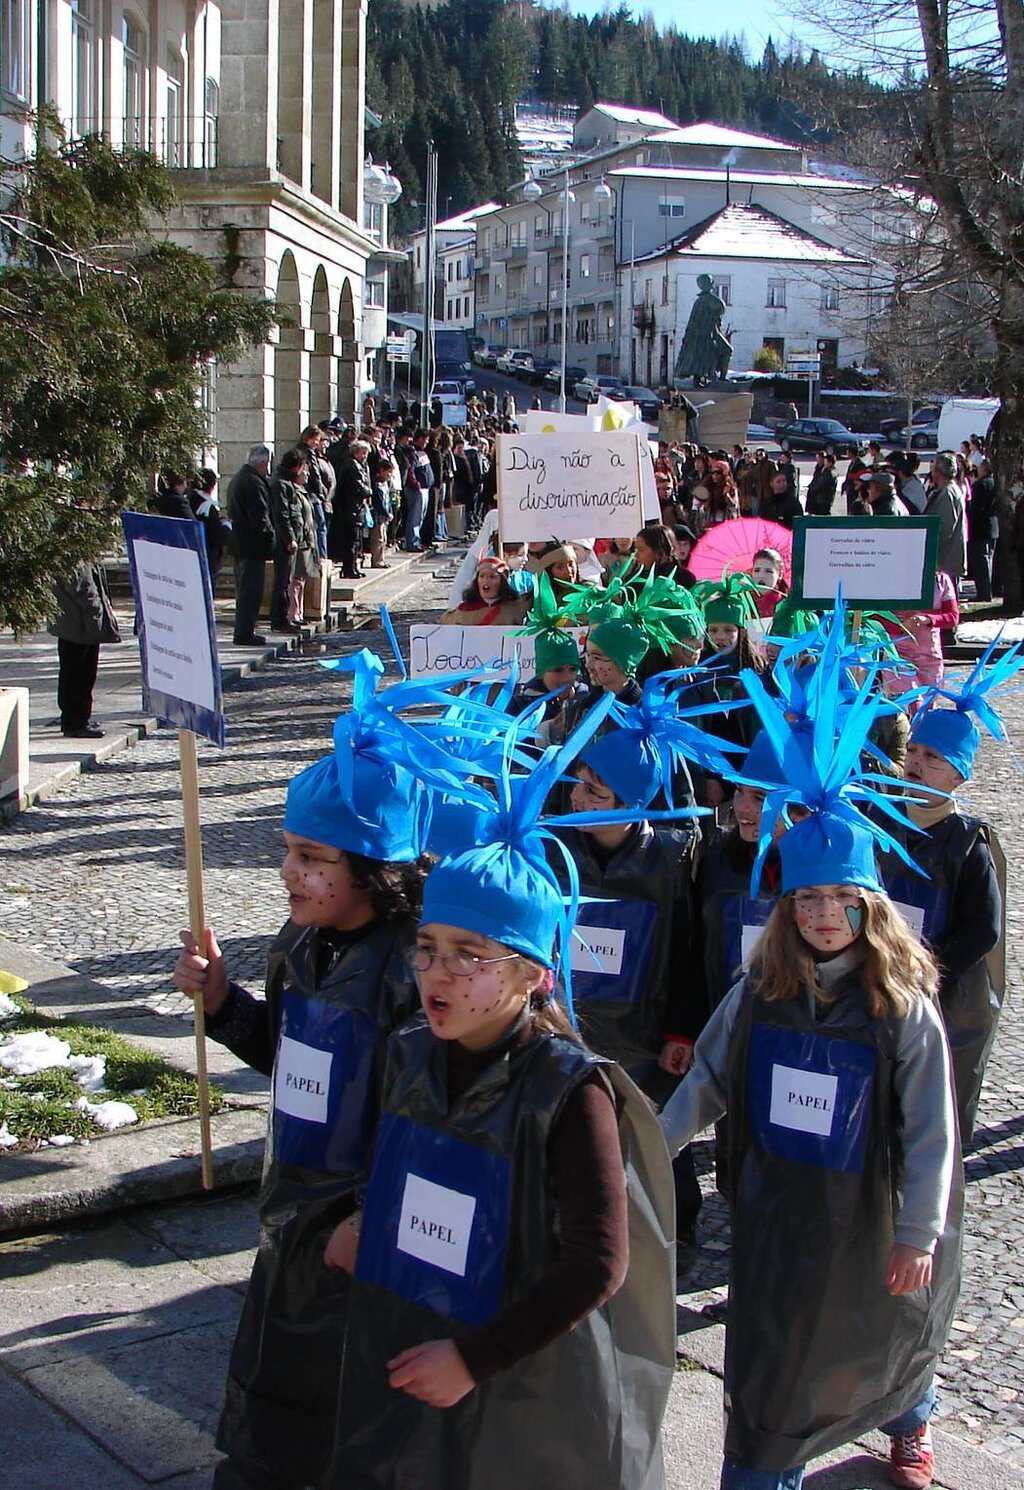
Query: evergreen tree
{"points": [[104, 329]]}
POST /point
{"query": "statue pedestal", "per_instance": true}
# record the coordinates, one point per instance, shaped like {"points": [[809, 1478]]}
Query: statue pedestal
{"points": [[722, 417]]}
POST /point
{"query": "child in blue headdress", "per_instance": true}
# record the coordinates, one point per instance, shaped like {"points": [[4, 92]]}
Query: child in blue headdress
{"points": [[511, 1319], [844, 1179], [956, 901], [338, 982]]}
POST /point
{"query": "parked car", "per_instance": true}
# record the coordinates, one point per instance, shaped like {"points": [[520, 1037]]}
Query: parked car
{"points": [[646, 400], [893, 429], [819, 434], [573, 375], [589, 389], [449, 392], [487, 356], [513, 360], [540, 369], [923, 436]]}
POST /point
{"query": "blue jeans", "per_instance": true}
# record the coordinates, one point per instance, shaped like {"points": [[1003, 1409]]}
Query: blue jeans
{"points": [[413, 518], [736, 1477]]}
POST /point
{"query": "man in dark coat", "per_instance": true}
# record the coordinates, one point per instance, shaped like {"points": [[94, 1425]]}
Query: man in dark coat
{"points": [[982, 529], [353, 493], [252, 533], [781, 505], [85, 619]]}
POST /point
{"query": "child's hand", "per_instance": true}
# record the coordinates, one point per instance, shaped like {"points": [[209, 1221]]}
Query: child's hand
{"points": [[909, 1269], [434, 1373], [194, 973], [676, 1057], [342, 1245]]}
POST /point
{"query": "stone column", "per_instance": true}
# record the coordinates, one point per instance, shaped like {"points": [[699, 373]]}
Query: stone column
{"points": [[247, 126], [353, 96], [295, 90], [327, 101]]}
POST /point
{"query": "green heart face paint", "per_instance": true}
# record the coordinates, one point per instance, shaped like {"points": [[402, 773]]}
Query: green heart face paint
{"points": [[855, 918]]}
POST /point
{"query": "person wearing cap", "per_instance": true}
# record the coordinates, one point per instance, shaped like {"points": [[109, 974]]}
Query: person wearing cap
{"points": [[557, 677], [634, 1004], [489, 599], [844, 1178], [558, 561], [338, 982], [512, 1318], [880, 490], [956, 901], [728, 606], [252, 541]]}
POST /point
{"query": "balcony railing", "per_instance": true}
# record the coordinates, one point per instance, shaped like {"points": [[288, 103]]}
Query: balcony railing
{"points": [[181, 142]]}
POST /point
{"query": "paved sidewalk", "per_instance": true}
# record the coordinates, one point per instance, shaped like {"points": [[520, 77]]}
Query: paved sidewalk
{"points": [[115, 1340], [32, 663]]}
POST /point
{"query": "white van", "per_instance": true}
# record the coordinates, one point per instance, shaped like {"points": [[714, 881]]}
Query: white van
{"points": [[960, 418]]}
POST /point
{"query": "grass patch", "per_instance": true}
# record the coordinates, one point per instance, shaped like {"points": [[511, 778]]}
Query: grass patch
{"points": [[42, 1106]]}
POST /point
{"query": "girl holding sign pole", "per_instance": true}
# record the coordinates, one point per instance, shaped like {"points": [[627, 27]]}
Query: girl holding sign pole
{"points": [[338, 983], [844, 1176], [512, 1317]]}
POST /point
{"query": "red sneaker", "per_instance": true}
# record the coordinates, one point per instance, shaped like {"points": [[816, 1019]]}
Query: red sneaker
{"points": [[911, 1460]]}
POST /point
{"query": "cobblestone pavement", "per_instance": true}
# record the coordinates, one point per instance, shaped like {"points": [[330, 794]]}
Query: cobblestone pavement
{"points": [[94, 877]]}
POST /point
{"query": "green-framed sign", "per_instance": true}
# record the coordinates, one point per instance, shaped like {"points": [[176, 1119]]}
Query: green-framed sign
{"points": [[882, 563]]}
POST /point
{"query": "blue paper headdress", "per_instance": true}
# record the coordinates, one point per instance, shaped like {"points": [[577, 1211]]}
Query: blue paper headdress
{"points": [[819, 756], [952, 733], [502, 884], [366, 797], [652, 739]]}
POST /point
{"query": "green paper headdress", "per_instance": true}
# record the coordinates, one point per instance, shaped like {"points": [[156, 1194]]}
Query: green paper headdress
{"points": [[731, 600]]}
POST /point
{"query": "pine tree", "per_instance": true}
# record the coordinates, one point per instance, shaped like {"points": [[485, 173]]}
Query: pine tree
{"points": [[104, 329]]}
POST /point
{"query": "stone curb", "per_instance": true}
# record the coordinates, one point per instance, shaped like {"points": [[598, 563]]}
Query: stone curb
{"points": [[130, 1168]]}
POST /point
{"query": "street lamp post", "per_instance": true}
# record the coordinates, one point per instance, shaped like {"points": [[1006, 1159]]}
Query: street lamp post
{"points": [[531, 191]]}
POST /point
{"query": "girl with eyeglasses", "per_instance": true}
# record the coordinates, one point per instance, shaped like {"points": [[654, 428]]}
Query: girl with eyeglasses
{"points": [[843, 1177], [512, 1259]]}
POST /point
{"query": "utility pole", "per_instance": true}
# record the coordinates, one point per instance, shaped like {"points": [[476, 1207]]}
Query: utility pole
{"points": [[427, 349]]}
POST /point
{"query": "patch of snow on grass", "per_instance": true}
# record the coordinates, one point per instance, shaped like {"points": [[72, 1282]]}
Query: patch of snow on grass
{"points": [[109, 1115], [26, 1055]]}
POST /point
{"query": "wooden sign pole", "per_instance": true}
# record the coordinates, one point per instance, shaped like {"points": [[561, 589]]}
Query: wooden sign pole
{"points": [[197, 923]]}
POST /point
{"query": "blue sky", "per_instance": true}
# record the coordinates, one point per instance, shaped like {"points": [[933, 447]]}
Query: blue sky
{"points": [[755, 19]]}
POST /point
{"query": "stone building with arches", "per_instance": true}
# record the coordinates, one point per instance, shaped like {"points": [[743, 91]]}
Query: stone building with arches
{"points": [[257, 106]]}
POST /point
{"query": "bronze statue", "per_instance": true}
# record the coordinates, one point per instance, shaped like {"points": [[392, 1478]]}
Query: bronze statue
{"points": [[705, 352]]}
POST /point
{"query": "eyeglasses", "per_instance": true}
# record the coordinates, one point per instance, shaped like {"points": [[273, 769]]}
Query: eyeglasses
{"points": [[458, 964], [813, 901]]}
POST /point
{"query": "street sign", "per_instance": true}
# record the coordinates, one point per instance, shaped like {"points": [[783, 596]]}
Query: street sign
{"points": [[807, 367], [410, 339]]}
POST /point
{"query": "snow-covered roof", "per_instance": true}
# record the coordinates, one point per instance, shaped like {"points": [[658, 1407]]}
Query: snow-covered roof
{"points": [[742, 232], [464, 221], [709, 133], [644, 118], [738, 178]]}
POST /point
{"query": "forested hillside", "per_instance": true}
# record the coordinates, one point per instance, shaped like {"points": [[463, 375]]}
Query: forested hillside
{"points": [[453, 73]]}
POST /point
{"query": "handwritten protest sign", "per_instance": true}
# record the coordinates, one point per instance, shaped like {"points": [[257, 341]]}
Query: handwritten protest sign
{"points": [[445, 649], [569, 485], [879, 562]]}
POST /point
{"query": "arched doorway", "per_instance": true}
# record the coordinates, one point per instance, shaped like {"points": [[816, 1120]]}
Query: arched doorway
{"points": [[289, 410], [321, 364], [348, 362]]}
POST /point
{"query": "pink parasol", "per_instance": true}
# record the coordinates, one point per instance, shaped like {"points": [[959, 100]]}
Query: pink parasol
{"points": [[732, 545]]}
